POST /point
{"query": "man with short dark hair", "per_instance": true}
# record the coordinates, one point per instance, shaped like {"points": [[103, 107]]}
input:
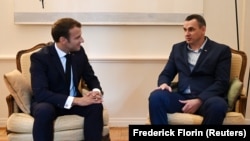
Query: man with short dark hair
{"points": [[57, 94], [203, 68]]}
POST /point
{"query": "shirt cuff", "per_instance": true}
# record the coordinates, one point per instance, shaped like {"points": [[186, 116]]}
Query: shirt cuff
{"points": [[68, 103], [97, 90]]}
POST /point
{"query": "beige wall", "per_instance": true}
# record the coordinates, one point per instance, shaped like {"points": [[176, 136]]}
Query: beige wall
{"points": [[245, 42], [127, 59]]}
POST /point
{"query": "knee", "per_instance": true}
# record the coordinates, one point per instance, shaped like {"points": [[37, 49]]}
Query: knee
{"points": [[217, 104], [96, 107], [44, 110], [156, 95]]}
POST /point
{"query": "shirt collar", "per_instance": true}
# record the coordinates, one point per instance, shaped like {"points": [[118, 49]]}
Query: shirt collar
{"points": [[201, 48], [59, 52]]}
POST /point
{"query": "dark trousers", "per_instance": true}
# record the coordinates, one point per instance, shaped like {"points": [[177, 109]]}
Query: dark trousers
{"points": [[45, 114], [162, 102]]}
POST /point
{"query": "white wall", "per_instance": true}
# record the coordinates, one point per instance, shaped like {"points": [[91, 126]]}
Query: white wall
{"points": [[127, 59]]}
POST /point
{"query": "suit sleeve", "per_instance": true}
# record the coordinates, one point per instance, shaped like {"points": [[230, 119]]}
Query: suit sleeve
{"points": [[169, 71]]}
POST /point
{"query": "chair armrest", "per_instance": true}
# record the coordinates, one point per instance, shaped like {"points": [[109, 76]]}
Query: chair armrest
{"points": [[243, 92], [174, 86], [12, 106], [241, 102], [10, 103]]}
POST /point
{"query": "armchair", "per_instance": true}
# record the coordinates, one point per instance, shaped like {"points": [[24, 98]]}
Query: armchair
{"points": [[20, 122], [237, 96]]}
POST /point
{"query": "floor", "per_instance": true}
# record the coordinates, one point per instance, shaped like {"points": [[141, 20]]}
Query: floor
{"points": [[3, 136], [116, 134], [119, 133]]}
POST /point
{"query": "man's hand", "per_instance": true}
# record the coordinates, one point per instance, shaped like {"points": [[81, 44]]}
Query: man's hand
{"points": [[95, 95], [92, 97], [165, 86], [191, 105]]}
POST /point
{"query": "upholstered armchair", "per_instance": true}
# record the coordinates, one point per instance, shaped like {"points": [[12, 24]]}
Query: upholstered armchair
{"points": [[237, 97], [20, 122]]}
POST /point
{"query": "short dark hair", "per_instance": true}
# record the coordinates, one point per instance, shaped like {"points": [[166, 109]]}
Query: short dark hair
{"points": [[198, 17], [62, 26]]}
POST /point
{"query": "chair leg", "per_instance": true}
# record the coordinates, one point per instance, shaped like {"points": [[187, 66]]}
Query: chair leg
{"points": [[106, 138]]}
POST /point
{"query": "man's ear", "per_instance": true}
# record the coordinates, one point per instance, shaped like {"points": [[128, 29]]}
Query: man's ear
{"points": [[63, 40], [203, 28]]}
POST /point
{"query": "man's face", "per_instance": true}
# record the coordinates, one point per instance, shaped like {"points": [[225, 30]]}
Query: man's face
{"points": [[193, 32], [75, 39]]}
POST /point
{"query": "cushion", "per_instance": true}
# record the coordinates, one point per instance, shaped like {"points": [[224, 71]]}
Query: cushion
{"points": [[23, 123], [232, 118], [233, 93], [19, 88], [67, 128]]}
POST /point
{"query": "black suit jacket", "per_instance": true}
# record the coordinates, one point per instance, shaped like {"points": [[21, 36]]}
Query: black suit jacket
{"points": [[48, 79], [210, 76]]}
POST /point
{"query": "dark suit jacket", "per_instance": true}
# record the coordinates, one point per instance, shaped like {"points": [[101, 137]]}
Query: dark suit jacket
{"points": [[210, 76], [48, 79]]}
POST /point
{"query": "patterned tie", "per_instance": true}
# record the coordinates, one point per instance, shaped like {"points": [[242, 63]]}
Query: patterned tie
{"points": [[68, 70]]}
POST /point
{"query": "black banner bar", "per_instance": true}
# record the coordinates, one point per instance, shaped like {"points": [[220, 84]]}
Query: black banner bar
{"points": [[196, 132]]}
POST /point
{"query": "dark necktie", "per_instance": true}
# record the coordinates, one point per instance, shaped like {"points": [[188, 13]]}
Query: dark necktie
{"points": [[68, 70]]}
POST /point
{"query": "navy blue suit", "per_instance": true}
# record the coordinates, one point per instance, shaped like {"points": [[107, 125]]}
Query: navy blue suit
{"points": [[208, 81], [50, 93]]}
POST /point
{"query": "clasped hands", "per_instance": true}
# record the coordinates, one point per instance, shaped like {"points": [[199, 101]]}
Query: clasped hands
{"points": [[91, 97], [190, 105]]}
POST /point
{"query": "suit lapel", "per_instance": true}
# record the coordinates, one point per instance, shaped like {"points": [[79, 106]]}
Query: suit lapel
{"points": [[56, 60], [74, 68], [185, 54], [203, 55]]}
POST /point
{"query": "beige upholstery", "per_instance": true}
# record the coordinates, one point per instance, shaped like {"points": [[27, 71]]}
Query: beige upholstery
{"points": [[20, 122], [236, 116]]}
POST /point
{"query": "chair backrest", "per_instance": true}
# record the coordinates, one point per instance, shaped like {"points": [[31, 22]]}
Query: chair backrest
{"points": [[23, 59], [238, 64], [23, 63]]}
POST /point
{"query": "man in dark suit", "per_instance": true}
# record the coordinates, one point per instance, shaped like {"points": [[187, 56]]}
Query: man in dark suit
{"points": [[54, 94], [203, 68]]}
